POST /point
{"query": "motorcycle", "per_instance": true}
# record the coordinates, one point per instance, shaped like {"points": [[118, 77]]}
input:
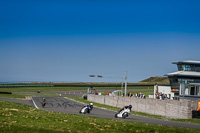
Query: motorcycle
{"points": [[124, 112], [43, 104], [85, 109]]}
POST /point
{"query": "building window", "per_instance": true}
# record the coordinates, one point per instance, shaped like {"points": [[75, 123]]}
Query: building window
{"points": [[198, 90], [192, 90], [180, 68], [197, 68], [174, 82], [186, 67]]}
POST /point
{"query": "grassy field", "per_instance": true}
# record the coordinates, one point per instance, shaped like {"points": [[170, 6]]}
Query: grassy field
{"points": [[23, 118], [47, 89], [158, 80], [12, 96], [21, 92], [42, 89]]}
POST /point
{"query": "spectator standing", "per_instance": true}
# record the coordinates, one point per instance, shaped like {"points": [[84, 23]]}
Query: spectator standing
{"points": [[198, 109], [144, 96], [136, 95]]}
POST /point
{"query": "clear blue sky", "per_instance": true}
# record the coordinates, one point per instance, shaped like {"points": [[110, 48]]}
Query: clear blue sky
{"points": [[48, 40]]}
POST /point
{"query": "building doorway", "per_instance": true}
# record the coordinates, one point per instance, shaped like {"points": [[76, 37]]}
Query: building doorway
{"points": [[192, 90]]}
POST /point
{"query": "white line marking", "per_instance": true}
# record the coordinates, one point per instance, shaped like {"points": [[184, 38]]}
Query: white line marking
{"points": [[34, 103]]}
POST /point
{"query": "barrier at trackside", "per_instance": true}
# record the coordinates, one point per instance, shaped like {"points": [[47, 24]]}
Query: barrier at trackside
{"points": [[180, 109]]}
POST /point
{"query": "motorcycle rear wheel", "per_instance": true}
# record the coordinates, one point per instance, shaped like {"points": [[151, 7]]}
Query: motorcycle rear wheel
{"points": [[124, 115]]}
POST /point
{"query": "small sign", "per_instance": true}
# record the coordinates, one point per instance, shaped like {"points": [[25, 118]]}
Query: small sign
{"points": [[173, 89]]}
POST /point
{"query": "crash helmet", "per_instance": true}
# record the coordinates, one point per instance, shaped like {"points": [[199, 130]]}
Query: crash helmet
{"points": [[43, 98], [130, 106], [91, 103]]}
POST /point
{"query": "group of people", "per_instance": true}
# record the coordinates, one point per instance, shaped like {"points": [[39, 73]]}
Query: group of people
{"points": [[140, 95], [161, 96]]}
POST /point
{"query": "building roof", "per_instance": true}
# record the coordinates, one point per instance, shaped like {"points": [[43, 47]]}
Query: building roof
{"points": [[187, 62], [184, 73]]}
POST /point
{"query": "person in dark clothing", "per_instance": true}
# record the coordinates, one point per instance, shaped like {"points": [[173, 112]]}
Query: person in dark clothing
{"points": [[43, 102], [125, 107]]}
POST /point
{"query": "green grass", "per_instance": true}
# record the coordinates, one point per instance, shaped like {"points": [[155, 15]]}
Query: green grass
{"points": [[23, 96], [158, 80], [19, 118], [12, 96], [146, 92], [132, 89], [42, 89], [188, 120], [49, 89], [21, 92]]}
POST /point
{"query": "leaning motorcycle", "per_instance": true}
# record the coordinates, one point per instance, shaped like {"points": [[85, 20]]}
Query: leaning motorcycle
{"points": [[85, 109], [123, 113]]}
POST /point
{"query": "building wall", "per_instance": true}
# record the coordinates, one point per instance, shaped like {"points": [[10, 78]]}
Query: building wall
{"points": [[181, 109]]}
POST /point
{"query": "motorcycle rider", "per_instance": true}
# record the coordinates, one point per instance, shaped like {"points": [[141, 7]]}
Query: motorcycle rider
{"points": [[43, 102], [90, 107], [124, 112], [125, 107]]}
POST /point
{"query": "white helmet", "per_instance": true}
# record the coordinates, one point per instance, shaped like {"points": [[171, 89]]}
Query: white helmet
{"points": [[91, 103]]}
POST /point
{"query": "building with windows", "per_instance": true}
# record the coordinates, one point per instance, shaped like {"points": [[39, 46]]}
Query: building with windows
{"points": [[185, 83]]}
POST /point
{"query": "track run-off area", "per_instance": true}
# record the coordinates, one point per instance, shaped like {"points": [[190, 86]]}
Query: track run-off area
{"points": [[64, 105]]}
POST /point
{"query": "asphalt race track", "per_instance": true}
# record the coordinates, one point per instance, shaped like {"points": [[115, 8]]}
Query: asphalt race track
{"points": [[63, 105]]}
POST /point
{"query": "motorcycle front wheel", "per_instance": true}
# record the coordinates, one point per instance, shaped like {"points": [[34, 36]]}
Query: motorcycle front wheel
{"points": [[116, 115]]}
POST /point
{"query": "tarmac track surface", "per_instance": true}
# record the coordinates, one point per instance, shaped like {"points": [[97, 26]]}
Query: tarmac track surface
{"points": [[59, 104], [63, 105]]}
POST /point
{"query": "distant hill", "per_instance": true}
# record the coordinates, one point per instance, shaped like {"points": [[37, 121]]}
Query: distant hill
{"points": [[158, 80]]}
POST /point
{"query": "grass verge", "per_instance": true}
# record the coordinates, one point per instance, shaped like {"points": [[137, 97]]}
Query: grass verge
{"points": [[49, 89], [12, 96], [21, 92], [19, 118]]}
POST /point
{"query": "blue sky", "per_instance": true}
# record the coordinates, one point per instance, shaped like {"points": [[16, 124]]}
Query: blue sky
{"points": [[67, 41]]}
